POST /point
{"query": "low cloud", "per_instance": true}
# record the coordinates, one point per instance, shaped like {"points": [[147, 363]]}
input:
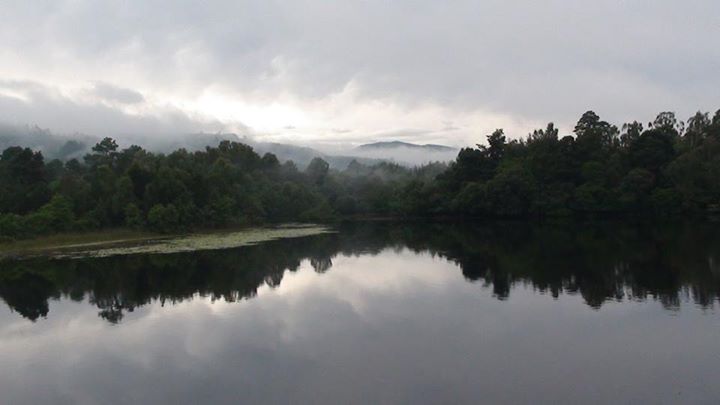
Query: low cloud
{"points": [[38, 105], [369, 66], [108, 92]]}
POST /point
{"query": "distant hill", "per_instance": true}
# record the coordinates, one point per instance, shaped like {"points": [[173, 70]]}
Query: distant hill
{"points": [[75, 146], [400, 145], [405, 153], [69, 146], [51, 145], [302, 155]]}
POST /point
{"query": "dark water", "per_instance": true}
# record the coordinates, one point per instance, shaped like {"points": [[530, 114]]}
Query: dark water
{"points": [[376, 313]]}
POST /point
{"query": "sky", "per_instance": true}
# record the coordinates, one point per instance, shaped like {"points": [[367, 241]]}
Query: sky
{"points": [[322, 72]]}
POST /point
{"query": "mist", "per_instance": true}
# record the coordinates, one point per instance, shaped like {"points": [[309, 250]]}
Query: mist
{"points": [[66, 146], [407, 155]]}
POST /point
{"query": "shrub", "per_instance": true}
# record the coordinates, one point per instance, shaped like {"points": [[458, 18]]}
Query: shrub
{"points": [[12, 226], [133, 216], [164, 218]]}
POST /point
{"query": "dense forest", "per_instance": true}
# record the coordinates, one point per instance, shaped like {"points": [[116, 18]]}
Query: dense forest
{"points": [[665, 168]]}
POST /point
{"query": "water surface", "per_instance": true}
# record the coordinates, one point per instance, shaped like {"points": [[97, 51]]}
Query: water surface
{"points": [[376, 313]]}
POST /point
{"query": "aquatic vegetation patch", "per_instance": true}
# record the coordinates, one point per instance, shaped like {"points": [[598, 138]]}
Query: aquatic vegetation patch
{"points": [[169, 244], [196, 242]]}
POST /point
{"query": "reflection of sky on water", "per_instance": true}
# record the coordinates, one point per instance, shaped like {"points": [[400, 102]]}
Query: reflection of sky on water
{"points": [[396, 327]]}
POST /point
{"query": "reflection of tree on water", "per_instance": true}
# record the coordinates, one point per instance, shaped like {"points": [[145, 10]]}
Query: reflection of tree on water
{"points": [[118, 285], [321, 264], [27, 293], [599, 262]]}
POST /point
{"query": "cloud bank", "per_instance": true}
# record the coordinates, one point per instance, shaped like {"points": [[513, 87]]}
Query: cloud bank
{"points": [[355, 71]]}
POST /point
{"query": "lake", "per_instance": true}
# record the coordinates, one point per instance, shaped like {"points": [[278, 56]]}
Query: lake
{"points": [[376, 313]]}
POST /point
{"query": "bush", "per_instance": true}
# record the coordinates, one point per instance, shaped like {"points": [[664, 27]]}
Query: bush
{"points": [[472, 200], [164, 218], [511, 193], [220, 210], [12, 226], [635, 187], [320, 212], [55, 216], [667, 201], [591, 197], [38, 223], [87, 222], [133, 216], [346, 205], [60, 212]]}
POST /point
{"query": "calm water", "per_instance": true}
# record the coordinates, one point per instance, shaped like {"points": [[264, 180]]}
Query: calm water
{"points": [[376, 313]]}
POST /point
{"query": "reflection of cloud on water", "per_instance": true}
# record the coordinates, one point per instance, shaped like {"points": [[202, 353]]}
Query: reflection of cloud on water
{"points": [[353, 279]]}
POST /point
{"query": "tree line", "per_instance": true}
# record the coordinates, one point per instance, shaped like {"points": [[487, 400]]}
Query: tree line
{"points": [[667, 167]]}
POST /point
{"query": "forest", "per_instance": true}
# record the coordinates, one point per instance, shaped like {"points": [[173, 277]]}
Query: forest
{"points": [[665, 168]]}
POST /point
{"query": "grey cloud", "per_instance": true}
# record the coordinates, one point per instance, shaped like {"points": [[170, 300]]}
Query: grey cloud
{"points": [[405, 133], [24, 86], [449, 126], [111, 93], [533, 60], [47, 108], [414, 134]]}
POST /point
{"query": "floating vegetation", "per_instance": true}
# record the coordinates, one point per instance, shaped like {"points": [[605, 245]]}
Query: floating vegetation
{"points": [[186, 243]]}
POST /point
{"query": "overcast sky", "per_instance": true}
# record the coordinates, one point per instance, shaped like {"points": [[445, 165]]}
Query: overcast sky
{"points": [[332, 71]]}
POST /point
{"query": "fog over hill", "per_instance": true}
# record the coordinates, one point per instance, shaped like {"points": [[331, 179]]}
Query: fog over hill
{"points": [[406, 153], [389, 145], [68, 146], [61, 146]]}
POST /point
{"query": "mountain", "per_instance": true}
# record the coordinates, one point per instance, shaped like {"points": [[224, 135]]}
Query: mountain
{"points": [[400, 145], [302, 155], [69, 146], [52, 145], [406, 153], [75, 146]]}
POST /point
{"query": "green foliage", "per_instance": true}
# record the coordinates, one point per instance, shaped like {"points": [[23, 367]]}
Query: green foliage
{"points": [[55, 216], [133, 216], [666, 201], [320, 212], [471, 200], [636, 187], [317, 170], [60, 212], [695, 174], [164, 218], [592, 197], [653, 150], [23, 181], [511, 193], [12, 226], [659, 170]]}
